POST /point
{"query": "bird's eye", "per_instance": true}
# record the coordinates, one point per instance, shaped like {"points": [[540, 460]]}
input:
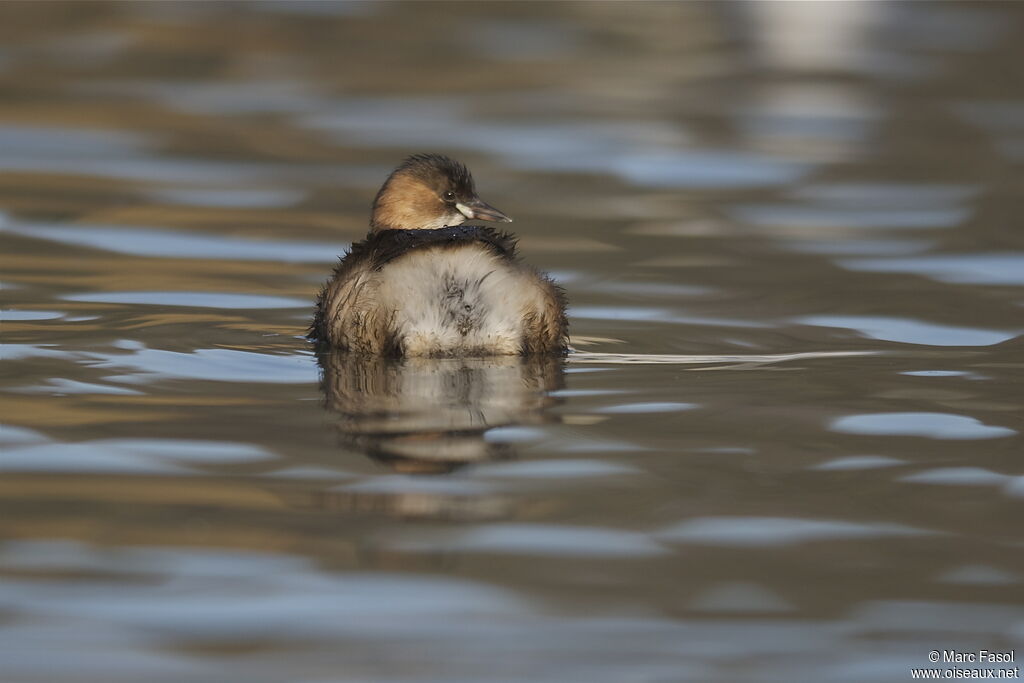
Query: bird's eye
{"points": [[449, 196]]}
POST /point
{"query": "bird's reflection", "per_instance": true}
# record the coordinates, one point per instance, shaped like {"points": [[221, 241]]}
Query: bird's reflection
{"points": [[433, 414]]}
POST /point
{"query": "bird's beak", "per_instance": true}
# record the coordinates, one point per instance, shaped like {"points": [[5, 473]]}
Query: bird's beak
{"points": [[480, 210]]}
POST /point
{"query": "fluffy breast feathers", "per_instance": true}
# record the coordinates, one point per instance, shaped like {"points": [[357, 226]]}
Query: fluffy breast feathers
{"points": [[452, 291]]}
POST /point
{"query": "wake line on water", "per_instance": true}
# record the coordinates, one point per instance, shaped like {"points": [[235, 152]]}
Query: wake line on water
{"points": [[708, 359]]}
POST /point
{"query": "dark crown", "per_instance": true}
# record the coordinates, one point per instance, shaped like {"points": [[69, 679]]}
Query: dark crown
{"points": [[429, 166]]}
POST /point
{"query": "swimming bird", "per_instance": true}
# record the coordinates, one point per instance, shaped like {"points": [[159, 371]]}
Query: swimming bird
{"points": [[423, 284]]}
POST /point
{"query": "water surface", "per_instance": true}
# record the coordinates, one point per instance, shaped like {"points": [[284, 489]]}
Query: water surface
{"points": [[789, 447]]}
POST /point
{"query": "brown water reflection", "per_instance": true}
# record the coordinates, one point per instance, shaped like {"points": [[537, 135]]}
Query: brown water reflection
{"points": [[789, 449], [426, 415]]}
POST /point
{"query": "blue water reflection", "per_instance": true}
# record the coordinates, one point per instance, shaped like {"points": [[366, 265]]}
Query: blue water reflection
{"points": [[150, 241], [911, 331], [787, 231], [930, 425], [981, 269], [191, 299], [219, 365]]}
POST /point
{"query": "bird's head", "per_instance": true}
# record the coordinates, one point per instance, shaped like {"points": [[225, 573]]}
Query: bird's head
{"points": [[429, 191]]}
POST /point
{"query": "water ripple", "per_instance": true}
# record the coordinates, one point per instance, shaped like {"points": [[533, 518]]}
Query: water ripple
{"points": [[910, 331], [957, 476], [542, 540], [191, 299], [223, 365], [929, 425], [796, 216], [981, 269], [778, 531], [150, 241]]}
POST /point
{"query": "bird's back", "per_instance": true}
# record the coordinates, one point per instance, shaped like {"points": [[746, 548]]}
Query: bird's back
{"points": [[451, 291]]}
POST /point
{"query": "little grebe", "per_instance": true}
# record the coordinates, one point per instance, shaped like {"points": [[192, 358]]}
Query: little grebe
{"points": [[423, 284]]}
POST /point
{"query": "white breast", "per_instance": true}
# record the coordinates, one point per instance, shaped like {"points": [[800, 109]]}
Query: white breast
{"points": [[458, 300]]}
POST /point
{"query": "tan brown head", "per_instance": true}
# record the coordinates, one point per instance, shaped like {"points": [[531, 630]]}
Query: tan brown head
{"points": [[429, 191]]}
